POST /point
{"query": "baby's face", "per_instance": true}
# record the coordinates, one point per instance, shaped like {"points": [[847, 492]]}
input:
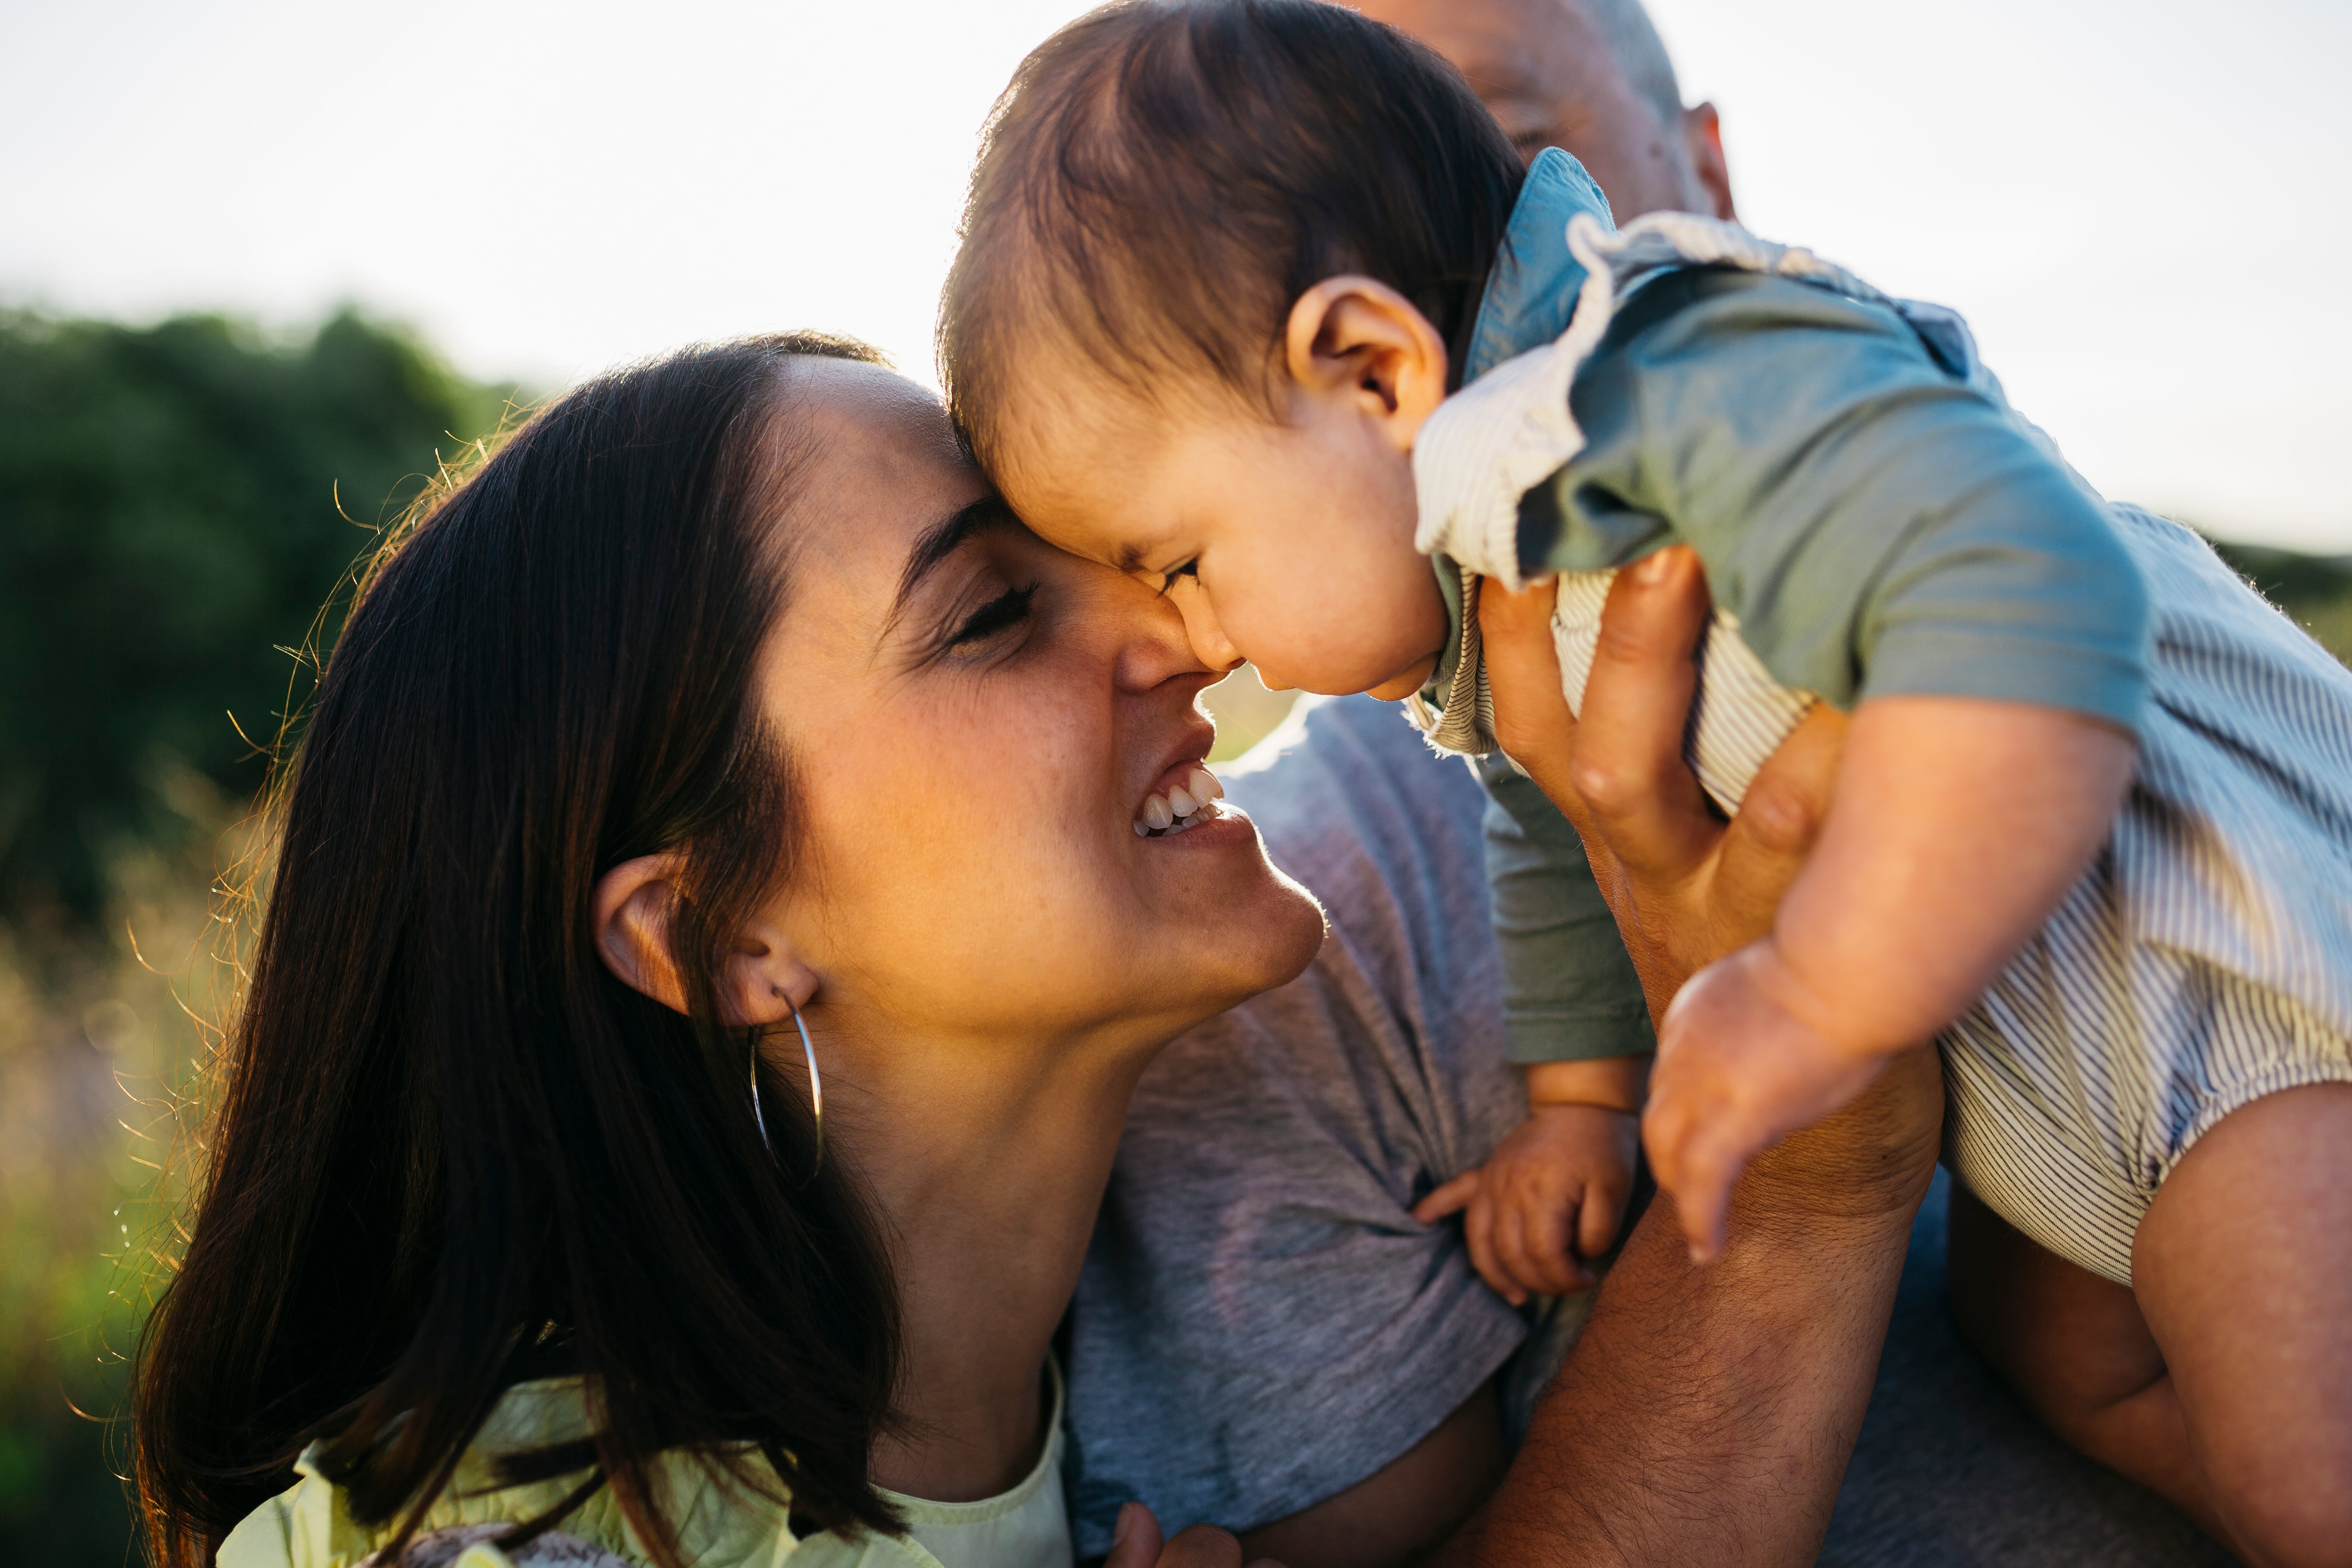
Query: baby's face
{"points": [[1288, 544]]}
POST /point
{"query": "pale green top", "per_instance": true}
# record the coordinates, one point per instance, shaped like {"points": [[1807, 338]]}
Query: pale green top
{"points": [[719, 1525]]}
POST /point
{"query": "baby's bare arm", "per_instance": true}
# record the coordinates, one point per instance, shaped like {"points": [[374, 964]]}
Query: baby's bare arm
{"points": [[1956, 827], [1615, 1083]]}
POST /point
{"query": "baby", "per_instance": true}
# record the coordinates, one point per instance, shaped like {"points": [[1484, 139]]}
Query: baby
{"points": [[1224, 264]]}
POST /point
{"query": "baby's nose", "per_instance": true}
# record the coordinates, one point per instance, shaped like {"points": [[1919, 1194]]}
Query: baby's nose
{"points": [[1209, 644]]}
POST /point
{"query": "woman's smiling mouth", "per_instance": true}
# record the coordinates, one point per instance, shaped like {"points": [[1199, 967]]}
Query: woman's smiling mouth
{"points": [[1187, 802]]}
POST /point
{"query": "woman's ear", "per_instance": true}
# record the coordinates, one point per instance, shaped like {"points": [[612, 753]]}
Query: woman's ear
{"points": [[760, 983], [1356, 339], [631, 916]]}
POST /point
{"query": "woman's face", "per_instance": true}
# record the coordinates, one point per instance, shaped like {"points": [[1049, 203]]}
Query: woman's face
{"points": [[975, 722]]}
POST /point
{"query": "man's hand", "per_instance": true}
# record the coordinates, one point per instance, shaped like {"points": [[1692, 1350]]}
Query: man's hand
{"points": [[1686, 889]]}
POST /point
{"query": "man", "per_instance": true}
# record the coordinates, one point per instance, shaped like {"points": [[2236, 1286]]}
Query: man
{"points": [[1264, 1338], [1589, 77], [1593, 77]]}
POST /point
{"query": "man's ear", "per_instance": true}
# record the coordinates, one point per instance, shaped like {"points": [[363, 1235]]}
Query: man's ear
{"points": [[1357, 339], [760, 983], [1703, 138]]}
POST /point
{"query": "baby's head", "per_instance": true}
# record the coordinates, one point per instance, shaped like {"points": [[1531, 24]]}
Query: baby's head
{"points": [[1217, 260]]}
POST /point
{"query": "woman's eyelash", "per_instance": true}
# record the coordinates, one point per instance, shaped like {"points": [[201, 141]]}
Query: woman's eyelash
{"points": [[1008, 609], [1168, 579]]}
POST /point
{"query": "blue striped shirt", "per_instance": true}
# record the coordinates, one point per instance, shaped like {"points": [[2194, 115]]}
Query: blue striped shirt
{"points": [[1874, 518]]}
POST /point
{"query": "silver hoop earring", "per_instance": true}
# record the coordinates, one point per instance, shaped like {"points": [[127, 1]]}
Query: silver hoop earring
{"points": [[759, 1116], [816, 1090]]}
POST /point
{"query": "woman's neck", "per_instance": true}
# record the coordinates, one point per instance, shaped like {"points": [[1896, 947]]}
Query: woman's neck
{"points": [[988, 1163]]}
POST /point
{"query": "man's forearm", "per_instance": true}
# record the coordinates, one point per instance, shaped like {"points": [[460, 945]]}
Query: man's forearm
{"points": [[1708, 1413]]}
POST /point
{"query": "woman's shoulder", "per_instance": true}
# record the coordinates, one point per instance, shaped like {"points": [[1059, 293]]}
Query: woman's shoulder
{"points": [[310, 1525]]}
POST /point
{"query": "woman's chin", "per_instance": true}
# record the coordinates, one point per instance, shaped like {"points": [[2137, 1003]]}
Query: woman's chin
{"points": [[1263, 927], [1303, 929]]}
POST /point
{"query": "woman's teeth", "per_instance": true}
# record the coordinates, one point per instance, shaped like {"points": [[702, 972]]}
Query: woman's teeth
{"points": [[1187, 805]]}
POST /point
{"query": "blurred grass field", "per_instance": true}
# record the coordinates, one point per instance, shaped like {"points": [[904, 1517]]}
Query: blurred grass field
{"points": [[101, 1044], [1246, 712], [176, 503]]}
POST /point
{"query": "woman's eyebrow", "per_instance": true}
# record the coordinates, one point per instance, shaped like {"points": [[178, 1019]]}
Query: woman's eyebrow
{"points": [[942, 540]]}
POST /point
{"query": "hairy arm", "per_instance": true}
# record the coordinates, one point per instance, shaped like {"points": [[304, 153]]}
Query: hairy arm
{"points": [[1708, 1413]]}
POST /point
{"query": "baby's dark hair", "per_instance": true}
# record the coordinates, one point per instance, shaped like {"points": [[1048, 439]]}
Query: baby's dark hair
{"points": [[1164, 178]]}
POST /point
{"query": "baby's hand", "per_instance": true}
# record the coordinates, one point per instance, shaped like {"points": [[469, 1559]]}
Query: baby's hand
{"points": [[1551, 1195], [1737, 1071]]}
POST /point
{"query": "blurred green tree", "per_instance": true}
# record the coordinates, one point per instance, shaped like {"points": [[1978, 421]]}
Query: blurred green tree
{"points": [[176, 503], [2314, 591]]}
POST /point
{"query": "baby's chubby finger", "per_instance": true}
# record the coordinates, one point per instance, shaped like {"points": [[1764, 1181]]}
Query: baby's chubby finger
{"points": [[1450, 1199], [1703, 1201], [1665, 1124], [1478, 1231], [1709, 1152], [1551, 1261], [1511, 1252], [1597, 1220], [1673, 1136]]}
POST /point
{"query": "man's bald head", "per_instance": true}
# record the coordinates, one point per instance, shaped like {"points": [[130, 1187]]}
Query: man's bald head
{"points": [[1640, 53], [1590, 76]]}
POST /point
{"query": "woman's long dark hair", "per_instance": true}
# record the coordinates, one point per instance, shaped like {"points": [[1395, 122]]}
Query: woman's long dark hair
{"points": [[450, 1150]]}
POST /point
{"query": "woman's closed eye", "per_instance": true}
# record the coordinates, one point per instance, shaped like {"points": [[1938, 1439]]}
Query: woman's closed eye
{"points": [[1168, 579], [993, 619]]}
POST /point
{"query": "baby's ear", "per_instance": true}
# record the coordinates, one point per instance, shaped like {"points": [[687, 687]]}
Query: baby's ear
{"points": [[1357, 340]]}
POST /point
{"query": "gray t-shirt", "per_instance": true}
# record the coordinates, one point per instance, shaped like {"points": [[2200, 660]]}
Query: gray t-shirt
{"points": [[1261, 1323]]}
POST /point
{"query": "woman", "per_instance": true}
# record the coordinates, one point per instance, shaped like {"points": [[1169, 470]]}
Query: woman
{"points": [[724, 693]]}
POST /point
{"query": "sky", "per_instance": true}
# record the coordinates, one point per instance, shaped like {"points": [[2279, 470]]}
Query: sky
{"points": [[2142, 206]]}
